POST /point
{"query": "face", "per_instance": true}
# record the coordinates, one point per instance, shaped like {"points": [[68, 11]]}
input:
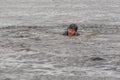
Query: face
{"points": [[71, 32]]}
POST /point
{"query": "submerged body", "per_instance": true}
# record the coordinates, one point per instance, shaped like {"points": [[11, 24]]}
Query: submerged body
{"points": [[66, 34]]}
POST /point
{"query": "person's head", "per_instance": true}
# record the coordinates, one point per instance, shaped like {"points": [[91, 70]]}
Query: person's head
{"points": [[72, 29]]}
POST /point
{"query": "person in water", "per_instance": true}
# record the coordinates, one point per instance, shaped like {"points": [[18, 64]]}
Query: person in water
{"points": [[71, 31]]}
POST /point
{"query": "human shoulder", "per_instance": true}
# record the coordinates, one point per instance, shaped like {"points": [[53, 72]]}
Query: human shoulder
{"points": [[65, 33], [77, 34]]}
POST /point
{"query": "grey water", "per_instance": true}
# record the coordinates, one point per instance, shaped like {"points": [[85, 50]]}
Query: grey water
{"points": [[32, 46]]}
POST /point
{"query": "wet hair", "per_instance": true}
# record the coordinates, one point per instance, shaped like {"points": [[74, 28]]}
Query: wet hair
{"points": [[73, 26]]}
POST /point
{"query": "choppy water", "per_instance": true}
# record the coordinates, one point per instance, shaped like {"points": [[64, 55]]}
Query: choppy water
{"points": [[28, 52], [55, 12], [32, 46]]}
